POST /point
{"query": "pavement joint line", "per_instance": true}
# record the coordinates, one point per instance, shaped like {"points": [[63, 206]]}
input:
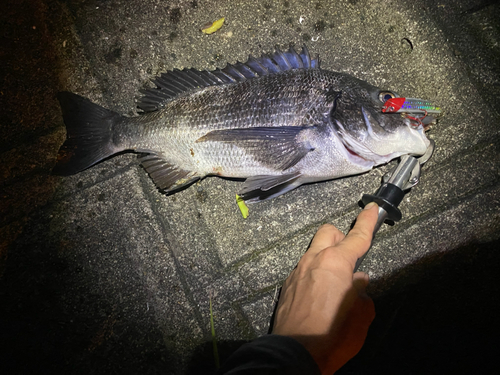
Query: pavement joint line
{"points": [[480, 144], [170, 242], [254, 295], [414, 265], [99, 180], [248, 332], [213, 243], [255, 254], [30, 139], [453, 202]]}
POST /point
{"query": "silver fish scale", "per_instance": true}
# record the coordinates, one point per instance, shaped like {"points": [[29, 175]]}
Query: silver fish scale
{"points": [[290, 98]]}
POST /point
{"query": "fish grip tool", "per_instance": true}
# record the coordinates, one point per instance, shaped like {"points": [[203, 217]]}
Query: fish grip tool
{"points": [[395, 184]]}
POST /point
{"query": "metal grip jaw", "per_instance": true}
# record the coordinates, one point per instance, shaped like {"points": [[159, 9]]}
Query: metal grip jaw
{"points": [[394, 186]]}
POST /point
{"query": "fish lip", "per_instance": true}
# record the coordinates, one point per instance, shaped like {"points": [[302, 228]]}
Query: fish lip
{"points": [[421, 129]]}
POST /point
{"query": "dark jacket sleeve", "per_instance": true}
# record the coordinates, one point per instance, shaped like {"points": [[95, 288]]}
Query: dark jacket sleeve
{"points": [[270, 354]]}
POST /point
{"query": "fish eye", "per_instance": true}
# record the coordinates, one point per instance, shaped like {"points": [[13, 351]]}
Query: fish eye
{"points": [[386, 95]]}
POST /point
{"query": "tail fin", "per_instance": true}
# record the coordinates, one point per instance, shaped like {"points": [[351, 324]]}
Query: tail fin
{"points": [[88, 134]]}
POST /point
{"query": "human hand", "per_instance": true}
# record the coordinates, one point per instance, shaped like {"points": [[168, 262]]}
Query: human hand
{"points": [[323, 305]]}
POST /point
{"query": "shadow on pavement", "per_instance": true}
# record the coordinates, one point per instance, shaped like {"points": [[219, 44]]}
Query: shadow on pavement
{"points": [[444, 322]]}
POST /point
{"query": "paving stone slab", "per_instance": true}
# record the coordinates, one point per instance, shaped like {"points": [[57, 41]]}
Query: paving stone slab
{"points": [[260, 311], [110, 230], [429, 238], [390, 254], [219, 221]]}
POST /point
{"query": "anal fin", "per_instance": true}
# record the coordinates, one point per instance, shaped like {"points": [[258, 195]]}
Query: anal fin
{"points": [[166, 176]]}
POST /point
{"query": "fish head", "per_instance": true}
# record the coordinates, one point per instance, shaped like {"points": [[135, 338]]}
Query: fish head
{"points": [[370, 136]]}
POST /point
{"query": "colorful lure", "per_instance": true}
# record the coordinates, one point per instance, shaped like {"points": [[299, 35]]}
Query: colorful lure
{"points": [[409, 105]]}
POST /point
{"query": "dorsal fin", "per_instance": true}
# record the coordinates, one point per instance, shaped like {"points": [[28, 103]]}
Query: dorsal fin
{"points": [[176, 82]]}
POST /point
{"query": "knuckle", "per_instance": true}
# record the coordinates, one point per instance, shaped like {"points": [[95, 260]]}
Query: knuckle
{"points": [[327, 226], [362, 233], [332, 258]]}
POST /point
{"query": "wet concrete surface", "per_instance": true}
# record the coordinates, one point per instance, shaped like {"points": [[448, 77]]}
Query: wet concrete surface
{"points": [[101, 273]]}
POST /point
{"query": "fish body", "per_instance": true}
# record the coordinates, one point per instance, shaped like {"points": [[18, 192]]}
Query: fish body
{"points": [[279, 121]]}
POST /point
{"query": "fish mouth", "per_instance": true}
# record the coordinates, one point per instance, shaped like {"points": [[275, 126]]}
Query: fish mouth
{"points": [[420, 129]]}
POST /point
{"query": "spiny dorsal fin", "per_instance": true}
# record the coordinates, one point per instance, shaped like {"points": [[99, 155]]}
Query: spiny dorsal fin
{"points": [[171, 84]]}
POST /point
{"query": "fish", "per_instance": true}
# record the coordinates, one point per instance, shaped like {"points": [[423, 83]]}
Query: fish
{"points": [[278, 121]]}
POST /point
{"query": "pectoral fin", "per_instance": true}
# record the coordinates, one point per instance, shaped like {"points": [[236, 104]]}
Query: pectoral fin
{"points": [[279, 148]]}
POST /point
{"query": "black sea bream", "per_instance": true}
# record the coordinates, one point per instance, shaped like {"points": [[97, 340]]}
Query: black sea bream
{"points": [[279, 121]]}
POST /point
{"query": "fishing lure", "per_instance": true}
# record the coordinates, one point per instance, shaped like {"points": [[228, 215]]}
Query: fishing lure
{"points": [[412, 106], [409, 105]]}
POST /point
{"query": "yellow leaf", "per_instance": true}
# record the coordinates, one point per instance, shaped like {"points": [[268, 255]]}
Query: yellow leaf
{"points": [[242, 206], [212, 28]]}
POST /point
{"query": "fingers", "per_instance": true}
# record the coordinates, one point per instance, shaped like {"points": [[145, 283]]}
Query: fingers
{"points": [[326, 236], [352, 246], [358, 240]]}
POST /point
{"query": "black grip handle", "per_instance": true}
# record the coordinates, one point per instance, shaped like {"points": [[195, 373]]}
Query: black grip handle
{"points": [[388, 196]]}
